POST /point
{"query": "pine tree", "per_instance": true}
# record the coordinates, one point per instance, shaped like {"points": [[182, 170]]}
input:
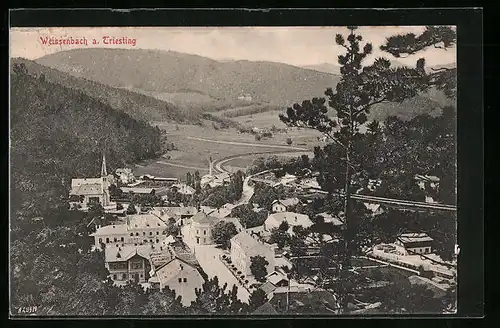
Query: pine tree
{"points": [[358, 90]]}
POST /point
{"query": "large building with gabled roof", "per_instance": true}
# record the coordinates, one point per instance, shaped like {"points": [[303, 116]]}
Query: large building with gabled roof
{"points": [[244, 247], [86, 191]]}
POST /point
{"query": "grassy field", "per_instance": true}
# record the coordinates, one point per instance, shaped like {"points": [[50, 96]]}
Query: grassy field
{"points": [[243, 162], [192, 154]]}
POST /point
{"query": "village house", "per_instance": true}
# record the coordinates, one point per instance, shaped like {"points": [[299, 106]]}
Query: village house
{"points": [[125, 175], [375, 209], [138, 230], [284, 205], [299, 300], [328, 218], [293, 219], [128, 263], [138, 190], [429, 184], [244, 247], [413, 243], [166, 181], [92, 190], [215, 180], [183, 188], [181, 277], [219, 213], [181, 214], [200, 229]]}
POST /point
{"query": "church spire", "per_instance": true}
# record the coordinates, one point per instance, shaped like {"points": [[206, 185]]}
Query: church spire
{"points": [[104, 172]]}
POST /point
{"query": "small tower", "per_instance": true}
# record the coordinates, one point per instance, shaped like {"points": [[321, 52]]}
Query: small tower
{"points": [[210, 166]]}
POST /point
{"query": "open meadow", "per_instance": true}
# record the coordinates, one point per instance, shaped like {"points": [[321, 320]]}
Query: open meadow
{"points": [[195, 144]]}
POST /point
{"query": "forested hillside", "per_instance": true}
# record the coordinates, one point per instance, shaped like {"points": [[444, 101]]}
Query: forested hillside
{"points": [[137, 105], [58, 133]]}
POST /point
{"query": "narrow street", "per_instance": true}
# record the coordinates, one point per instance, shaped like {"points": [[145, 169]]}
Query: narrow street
{"points": [[208, 257]]}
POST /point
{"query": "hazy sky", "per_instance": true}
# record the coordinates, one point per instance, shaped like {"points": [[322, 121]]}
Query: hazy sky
{"points": [[292, 45]]}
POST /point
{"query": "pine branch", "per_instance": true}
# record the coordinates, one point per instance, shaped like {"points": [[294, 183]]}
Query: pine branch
{"points": [[356, 113]]}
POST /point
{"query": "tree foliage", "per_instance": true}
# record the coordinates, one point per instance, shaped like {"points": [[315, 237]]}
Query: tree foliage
{"points": [[248, 217], [440, 37], [222, 233], [258, 267], [257, 298]]}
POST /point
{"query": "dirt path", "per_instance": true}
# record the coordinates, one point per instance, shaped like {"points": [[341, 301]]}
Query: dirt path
{"points": [[248, 144], [183, 166]]}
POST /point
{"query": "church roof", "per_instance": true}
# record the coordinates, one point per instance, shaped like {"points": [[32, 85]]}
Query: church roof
{"points": [[87, 189]]}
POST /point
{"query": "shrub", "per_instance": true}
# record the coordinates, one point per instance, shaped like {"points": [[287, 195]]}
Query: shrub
{"points": [[246, 281], [239, 272], [257, 137], [242, 277], [288, 141]]}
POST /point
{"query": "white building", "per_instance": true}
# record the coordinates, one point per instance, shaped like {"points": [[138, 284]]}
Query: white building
{"points": [[414, 243], [181, 277], [184, 189], [92, 190], [138, 230], [293, 219], [284, 205], [244, 247], [125, 175]]}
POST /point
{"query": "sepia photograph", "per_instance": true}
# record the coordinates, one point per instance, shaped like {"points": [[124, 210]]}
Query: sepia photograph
{"points": [[233, 171]]}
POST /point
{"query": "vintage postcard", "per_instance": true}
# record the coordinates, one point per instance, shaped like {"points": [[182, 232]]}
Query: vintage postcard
{"points": [[250, 171]]}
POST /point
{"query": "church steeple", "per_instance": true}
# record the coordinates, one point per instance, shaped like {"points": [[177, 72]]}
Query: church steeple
{"points": [[104, 172]]}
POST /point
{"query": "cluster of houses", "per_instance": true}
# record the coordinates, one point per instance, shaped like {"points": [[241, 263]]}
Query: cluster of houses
{"points": [[139, 249]]}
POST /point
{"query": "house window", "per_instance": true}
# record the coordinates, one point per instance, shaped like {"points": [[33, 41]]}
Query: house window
{"points": [[204, 240], [197, 232], [157, 241], [141, 275], [135, 244], [157, 233], [135, 265], [185, 280], [164, 233], [121, 239], [180, 279], [124, 276], [107, 240], [131, 234], [204, 232], [137, 234], [428, 250], [150, 233], [114, 277], [115, 240], [143, 233], [100, 240]]}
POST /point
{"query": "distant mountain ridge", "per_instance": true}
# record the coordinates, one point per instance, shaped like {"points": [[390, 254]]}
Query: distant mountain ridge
{"points": [[168, 71], [185, 79]]}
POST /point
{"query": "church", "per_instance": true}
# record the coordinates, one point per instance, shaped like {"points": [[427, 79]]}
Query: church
{"points": [[86, 191]]}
